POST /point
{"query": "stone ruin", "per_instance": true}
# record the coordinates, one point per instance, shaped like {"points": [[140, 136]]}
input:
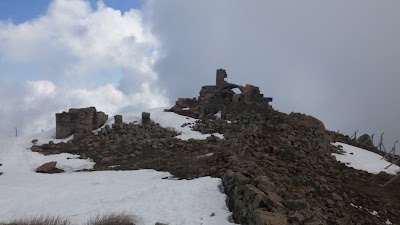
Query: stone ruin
{"points": [[220, 100], [80, 121]]}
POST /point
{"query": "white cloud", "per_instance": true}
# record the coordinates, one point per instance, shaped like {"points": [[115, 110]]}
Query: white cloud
{"points": [[77, 56], [38, 90]]}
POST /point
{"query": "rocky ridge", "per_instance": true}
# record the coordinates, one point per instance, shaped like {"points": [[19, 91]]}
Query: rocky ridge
{"points": [[274, 170]]}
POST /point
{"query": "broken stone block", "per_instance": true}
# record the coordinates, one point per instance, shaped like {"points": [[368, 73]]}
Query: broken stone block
{"points": [[83, 119], [146, 118], [118, 119]]}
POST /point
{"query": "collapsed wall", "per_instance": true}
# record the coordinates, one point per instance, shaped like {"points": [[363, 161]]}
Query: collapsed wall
{"points": [[220, 100], [82, 121]]}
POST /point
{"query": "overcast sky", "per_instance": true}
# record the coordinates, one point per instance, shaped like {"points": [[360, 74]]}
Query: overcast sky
{"points": [[338, 61]]}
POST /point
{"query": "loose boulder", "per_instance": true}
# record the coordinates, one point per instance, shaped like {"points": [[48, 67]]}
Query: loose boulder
{"points": [[366, 140], [49, 167]]}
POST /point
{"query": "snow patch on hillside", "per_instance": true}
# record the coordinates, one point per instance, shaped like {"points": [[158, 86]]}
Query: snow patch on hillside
{"points": [[81, 195], [362, 159]]}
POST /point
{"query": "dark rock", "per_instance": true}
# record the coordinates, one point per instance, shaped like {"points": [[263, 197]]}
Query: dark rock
{"points": [[297, 205], [336, 197], [108, 159], [36, 148], [383, 176], [365, 139], [262, 217]]}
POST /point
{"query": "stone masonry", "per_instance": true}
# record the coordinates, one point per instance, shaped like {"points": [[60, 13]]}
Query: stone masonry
{"points": [[80, 121], [221, 99]]}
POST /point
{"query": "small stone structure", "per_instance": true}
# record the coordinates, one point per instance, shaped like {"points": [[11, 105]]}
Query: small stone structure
{"points": [[118, 119], [220, 100], [80, 121], [146, 118]]}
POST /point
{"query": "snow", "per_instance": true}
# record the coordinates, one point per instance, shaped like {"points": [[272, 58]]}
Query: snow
{"points": [[81, 195], [17, 157], [374, 212], [362, 159], [172, 121], [218, 114]]}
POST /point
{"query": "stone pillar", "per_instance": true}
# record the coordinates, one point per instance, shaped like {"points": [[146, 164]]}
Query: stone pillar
{"points": [[146, 118], [220, 77], [118, 119]]}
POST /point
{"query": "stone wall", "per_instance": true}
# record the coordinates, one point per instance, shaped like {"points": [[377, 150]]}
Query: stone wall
{"points": [[221, 98], [81, 121]]}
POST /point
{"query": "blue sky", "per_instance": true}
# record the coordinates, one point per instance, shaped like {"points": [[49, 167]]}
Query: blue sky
{"points": [[22, 10]]}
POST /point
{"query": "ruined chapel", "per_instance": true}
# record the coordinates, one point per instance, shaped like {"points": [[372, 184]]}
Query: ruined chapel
{"points": [[220, 100]]}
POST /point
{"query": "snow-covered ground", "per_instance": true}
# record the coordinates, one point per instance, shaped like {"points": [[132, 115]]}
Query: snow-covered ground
{"points": [[81, 195], [362, 159]]}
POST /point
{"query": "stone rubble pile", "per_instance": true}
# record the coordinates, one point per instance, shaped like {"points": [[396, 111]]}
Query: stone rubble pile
{"points": [[277, 170]]}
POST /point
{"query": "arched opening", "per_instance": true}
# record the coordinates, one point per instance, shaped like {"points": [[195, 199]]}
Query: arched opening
{"points": [[231, 90], [236, 90]]}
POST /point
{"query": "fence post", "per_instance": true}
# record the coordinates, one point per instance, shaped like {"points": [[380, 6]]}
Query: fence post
{"points": [[394, 162], [389, 153], [380, 146], [354, 136]]}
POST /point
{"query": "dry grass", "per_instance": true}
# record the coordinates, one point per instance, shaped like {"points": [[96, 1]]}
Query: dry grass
{"points": [[113, 219], [106, 219], [41, 220]]}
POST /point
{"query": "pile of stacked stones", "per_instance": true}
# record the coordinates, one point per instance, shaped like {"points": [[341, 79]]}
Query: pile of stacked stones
{"points": [[133, 146]]}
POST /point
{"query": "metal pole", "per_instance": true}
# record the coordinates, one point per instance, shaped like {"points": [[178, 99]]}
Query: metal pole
{"points": [[354, 136], [394, 150], [393, 163], [16, 132], [369, 139], [393, 179], [380, 146], [389, 153]]}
